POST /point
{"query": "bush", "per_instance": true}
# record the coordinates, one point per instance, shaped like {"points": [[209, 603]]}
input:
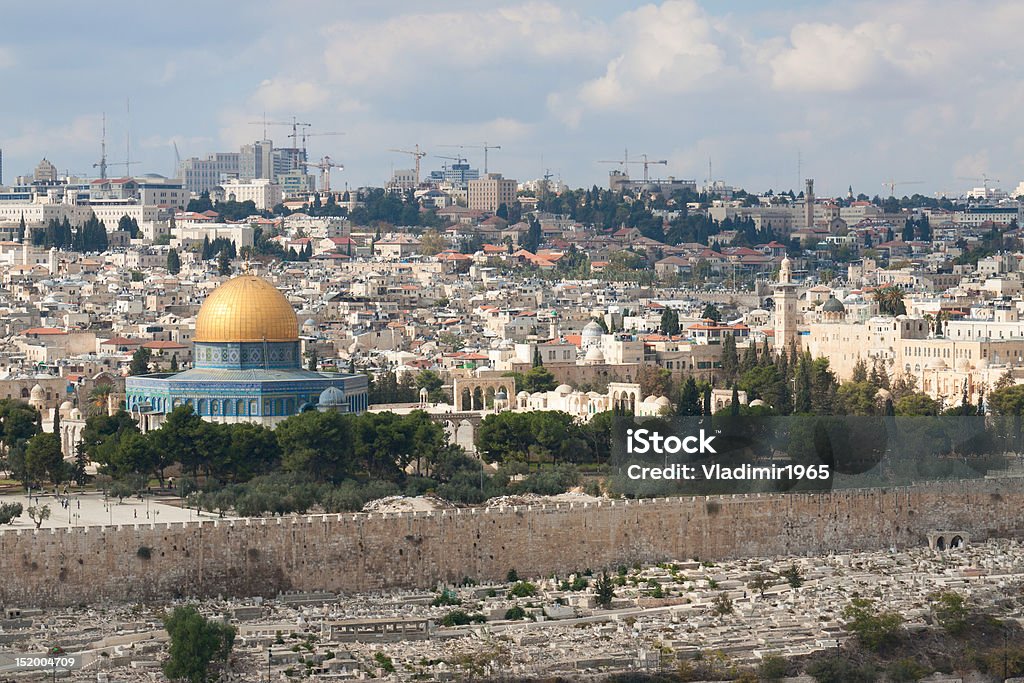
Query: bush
{"points": [[512, 576], [515, 614], [9, 512], [906, 671], [793, 576], [384, 662], [835, 670], [773, 668], [446, 599], [460, 617], [523, 589], [873, 629]]}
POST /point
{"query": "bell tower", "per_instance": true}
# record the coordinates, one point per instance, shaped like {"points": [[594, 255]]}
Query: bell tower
{"points": [[785, 307]]}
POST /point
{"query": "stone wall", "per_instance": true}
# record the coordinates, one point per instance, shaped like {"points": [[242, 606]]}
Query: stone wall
{"points": [[359, 552]]}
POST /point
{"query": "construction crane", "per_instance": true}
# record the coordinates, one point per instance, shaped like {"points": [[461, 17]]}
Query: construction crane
{"points": [[985, 178], [625, 162], [325, 165], [456, 159], [416, 154], [306, 134], [893, 184], [485, 147], [294, 123]]}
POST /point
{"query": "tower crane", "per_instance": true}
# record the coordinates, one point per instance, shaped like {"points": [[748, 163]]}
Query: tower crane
{"points": [[485, 147], [625, 161], [456, 159], [893, 184], [294, 123], [325, 165], [306, 134], [417, 154], [985, 178]]}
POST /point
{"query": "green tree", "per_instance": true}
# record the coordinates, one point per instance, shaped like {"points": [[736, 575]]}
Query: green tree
{"points": [[669, 322], [538, 379], [173, 262], [432, 382], [43, 459], [317, 444], [199, 646], [916, 405], [875, 629], [1008, 400], [605, 590], [223, 263], [140, 362], [689, 398], [730, 361], [712, 313], [39, 514], [9, 512]]}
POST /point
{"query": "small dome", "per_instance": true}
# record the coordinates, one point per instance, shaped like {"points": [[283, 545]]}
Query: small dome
{"points": [[594, 355], [66, 406], [523, 394], [75, 414], [833, 305], [883, 394], [563, 389], [37, 393], [332, 396], [309, 323], [502, 395], [592, 329], [651, 399], [663, 401], [756, 402]]}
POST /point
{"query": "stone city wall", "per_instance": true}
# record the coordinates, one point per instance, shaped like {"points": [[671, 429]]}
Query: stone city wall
{"points": [[361, 552]]}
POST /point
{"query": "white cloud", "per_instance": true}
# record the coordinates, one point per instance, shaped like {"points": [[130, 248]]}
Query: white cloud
{"points": [[281, 95], [667, 49], [55, 142], [416, 45]]}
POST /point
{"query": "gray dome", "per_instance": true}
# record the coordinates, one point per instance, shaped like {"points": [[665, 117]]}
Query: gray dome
{"points": [[833, 305], [592, 329], [332, 396], [501, 395]]}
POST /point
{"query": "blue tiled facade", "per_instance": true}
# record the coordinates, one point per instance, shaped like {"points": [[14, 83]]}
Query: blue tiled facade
{"points": [[243, 382]]}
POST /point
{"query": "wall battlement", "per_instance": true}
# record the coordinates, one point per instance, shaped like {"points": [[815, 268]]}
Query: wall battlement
{"points": [[375, 551]]}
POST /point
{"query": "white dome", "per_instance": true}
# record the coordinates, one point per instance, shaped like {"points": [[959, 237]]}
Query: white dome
{"points": [[651, 399], [594, 355], [37, 393], [663, 401], [75, 414], [756, 402], [883, 394], [563, 389], [66, 405]]}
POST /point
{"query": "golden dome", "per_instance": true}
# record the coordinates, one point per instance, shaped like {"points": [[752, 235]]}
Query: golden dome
{"points": [[246, 309]]}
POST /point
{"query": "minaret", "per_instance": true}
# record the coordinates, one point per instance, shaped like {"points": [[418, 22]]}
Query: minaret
{"points": [[785, 307]]}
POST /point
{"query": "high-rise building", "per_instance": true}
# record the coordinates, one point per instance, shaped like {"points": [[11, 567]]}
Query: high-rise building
{"points": [[288, 159], [809, 203], [257, 161], [45, 172], [491, 191], [202, 175]]}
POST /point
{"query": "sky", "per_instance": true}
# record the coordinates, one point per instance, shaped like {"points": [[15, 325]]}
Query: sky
{"points": [[852, 92]]}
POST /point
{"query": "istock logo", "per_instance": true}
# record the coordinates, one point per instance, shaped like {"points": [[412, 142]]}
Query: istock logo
{"points": [[644, 441]]}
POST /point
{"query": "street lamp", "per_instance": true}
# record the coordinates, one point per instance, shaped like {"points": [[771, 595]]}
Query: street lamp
{"points": [[268, 664]]}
